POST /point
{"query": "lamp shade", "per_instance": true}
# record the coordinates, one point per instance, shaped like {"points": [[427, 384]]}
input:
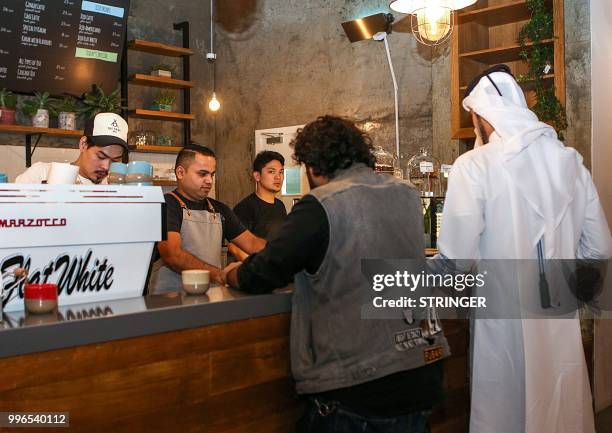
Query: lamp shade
{"points": [[410, 6], [366, 27]]}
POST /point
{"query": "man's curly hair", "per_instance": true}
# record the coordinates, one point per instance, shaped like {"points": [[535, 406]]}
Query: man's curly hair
{"points": [[330, 144]]}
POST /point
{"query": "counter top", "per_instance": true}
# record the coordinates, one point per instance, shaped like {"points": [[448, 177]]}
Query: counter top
{"points": [[81, 324]]}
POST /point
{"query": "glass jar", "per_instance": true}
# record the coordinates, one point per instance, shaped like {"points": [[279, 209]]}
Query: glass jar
{"points": [[384, 160], [423, 171], [444, 173], [142, 138]]}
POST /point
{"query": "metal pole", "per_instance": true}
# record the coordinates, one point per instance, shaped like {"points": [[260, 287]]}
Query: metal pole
{"points": [[396, 97]]}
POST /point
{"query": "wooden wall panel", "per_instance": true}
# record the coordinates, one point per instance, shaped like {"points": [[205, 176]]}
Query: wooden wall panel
{"points": [[228, 378], [251, 365], [162, 383]]}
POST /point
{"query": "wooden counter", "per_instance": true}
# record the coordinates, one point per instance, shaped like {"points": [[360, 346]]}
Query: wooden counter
{"points": [[232, 377], [182, 364]]}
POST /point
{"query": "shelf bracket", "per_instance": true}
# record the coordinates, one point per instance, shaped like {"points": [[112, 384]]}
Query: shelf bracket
{"points": [[184, 27], [29, 151]]}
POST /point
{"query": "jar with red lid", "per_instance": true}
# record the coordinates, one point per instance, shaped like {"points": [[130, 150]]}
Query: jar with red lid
{"points": [[40, 298]]}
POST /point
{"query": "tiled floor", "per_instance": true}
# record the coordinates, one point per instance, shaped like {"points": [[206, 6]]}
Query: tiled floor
{"points": [[604, 421]]}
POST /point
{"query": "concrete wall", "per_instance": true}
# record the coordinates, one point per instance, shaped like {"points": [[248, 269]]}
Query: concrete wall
{"points": [[578, 76], [285, 62]]}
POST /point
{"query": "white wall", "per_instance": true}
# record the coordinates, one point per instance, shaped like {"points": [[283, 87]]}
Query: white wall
{"points": [[601, 157], [601, 86]]}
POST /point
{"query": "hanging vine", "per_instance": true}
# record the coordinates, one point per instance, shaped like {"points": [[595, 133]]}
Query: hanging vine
{"points": [[540, 58]]}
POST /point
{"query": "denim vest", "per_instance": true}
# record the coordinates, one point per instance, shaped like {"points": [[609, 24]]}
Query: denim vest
{"points": [[370, 216]]}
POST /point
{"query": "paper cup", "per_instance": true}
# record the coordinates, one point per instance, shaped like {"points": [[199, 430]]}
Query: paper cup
{"points": [[62, 173], [195, 281]]}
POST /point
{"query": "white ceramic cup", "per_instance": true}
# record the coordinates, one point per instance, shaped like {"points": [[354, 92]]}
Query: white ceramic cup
{"points": [[62, 173], [195, 281]]}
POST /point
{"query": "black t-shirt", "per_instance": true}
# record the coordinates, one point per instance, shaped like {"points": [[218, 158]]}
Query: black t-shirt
{"points": [[300, 243], [232, 227], [262, 218]]}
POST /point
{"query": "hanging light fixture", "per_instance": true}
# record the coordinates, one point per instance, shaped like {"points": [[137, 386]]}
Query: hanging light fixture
{"points": [[432, 21], [213, 103]]}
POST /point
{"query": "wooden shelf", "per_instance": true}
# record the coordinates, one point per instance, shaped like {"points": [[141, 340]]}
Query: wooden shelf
{"points": [[492, 56], [549, 77], [184, 85], [464, 133], [153, 81], [157, 48], [497, 15], [486, 34], [157, 149], [159, 115], [27, 129], [164, 182]]}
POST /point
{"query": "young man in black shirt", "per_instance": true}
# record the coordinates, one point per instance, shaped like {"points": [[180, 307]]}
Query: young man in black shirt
{"points": [[197, 224], [352, 371], [261, 212]]}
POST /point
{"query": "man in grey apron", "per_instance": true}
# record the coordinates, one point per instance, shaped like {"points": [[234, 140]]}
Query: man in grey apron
{"points": [[196, 224]]}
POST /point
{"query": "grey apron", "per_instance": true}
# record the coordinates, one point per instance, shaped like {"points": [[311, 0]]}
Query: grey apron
{"points": [[201, 236]]}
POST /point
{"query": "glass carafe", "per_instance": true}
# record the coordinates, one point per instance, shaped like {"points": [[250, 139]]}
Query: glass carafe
{"points": [[384, 160], [423, 170]]}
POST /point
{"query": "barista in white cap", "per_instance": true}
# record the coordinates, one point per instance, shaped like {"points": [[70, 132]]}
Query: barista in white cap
{"points": [[103, 142], [522, 194]]}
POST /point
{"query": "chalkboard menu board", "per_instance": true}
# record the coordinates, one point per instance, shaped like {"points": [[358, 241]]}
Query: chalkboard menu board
{"points": [[61, 46]]}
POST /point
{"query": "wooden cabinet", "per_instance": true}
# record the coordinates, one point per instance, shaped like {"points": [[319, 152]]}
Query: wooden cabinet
{"points": [[486, 34]]}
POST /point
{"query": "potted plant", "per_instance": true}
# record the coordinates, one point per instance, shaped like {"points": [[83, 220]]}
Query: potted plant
{"points": [[38, 109], [65, 110], [163, 101], [97, 101], [162, 70], [164, 140], [8, 102]]}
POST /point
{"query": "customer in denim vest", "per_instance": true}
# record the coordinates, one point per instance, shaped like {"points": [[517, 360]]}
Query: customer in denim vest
{"points": [[351, 371]]}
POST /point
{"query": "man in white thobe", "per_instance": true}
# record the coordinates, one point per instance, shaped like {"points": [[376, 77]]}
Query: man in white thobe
{"points": [[521, 190]]}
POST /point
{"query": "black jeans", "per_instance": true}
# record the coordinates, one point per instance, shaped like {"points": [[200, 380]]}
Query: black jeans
{"points": [[332, 417]]}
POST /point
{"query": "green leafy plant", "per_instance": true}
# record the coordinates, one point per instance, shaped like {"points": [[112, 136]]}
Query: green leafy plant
{"points": [[540, 58], [163, 67], [66, 105], [164, 98], [7, 99], [40, 101], [97, 101]]}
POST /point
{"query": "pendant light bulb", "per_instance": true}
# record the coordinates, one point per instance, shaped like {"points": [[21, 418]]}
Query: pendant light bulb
{"points": [[214, 104], [434, 23]]}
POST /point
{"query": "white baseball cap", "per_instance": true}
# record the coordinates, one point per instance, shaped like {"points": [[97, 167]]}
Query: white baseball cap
{"points": [[106, 129]]}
